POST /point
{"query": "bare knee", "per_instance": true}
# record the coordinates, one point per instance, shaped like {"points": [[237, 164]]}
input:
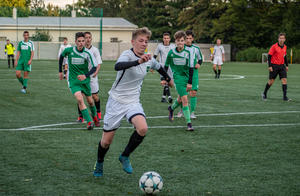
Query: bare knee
{"points": [[142, 130], [90, 100], [193, 93], [95, 97], [184, 101], [284, 81], [270, 82], [18, 74]]}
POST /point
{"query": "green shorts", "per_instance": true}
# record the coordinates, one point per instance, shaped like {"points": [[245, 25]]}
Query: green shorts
{"points": [[181, 89], [83, 87], [23, 65], [195, 83]]}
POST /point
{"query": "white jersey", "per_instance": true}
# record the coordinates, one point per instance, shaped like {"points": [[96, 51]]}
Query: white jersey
{"points": [[97, 56], [163, 51], [62, 48], [218, 51], [127, 87]]}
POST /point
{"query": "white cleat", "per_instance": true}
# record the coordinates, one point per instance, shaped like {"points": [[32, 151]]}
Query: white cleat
{"points": [[180, 114], [193, 116], [23, 91]]}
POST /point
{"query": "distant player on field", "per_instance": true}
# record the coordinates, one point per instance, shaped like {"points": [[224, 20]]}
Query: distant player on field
{"points": [[181, 60], [162, 50], [10, 51], [218, 58], [124, 99], [23, 60], [61, 49], [79, 59], [278, 65], [94, 84]]}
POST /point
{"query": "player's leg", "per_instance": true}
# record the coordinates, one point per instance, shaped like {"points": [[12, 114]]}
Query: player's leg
{"points": [[65, 70], [26, 77], [167, 88], [163, 97], [215, 70], [8, 59], [272, 76], [97, 104], [283, 78], [19, 68], [193, 102], [103, 147], [186, 112], [85, 113], [93, 109], [94, 85], [171, 108], [80, 117], [13, 60], [219, 69]]}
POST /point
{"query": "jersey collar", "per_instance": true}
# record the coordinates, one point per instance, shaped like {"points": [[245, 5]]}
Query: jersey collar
{"points": [[134, 53], [279, 45], [78, 50]]}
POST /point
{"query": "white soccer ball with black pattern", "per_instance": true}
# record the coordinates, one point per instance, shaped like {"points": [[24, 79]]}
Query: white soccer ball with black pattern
{"points": [[151, 182]]}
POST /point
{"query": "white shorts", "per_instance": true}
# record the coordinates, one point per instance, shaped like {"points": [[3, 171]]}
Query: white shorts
{"points": [[217, 60], [94, 85], [116, 111]]}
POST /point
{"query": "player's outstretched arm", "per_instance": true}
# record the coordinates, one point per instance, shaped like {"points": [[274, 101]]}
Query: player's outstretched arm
{"points": [[60, 64], [127, 64]]}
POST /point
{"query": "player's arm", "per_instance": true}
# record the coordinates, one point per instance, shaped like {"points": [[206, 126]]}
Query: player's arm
{"points": [[60, 65], [223, 54], [156, 52], [122, 65], [286, 63], [32, 54], [191, 72], [199, 58], [270, 54], [18, 54], [165, 77], [91, 59], [5, 49], [13, 47], [99, 61]]}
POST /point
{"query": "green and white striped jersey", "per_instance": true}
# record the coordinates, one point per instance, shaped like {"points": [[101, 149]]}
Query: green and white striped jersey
{"points": [[25, 49]]}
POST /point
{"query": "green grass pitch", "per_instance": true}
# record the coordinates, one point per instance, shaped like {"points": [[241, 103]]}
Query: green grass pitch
{"points": [[241, 145]]}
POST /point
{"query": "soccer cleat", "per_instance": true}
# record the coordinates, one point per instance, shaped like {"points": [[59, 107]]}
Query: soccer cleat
{"points": [[99, 115], [163, 100], [96, 121], [80, 119], [98, 169], [23, 90], [90, 126], [189, 127], [171, 113], [180, 114], [126, 164], [170, 100], [193, 116], [264, 97], [218, 76], [286, 99]]}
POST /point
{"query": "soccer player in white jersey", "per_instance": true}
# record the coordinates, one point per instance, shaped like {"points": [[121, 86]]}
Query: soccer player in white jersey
{"points": [[124, 99], [61, 49], [94, 84], [162, 50], [218, 58]]}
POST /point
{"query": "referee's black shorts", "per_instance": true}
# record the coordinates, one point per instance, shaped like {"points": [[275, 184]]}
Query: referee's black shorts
{"points": [[278, 70]]}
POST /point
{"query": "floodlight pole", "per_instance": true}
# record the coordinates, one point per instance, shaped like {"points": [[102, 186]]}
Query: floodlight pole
{"points": [[101, 23]]}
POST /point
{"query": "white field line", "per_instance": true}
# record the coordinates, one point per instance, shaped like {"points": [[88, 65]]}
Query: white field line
{"points": [[42, 127]]}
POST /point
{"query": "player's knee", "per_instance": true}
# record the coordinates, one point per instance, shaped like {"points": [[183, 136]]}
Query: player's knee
{"points": [[95, 97], [193, 93], [18, 74], [142, 130], [106, 143]]}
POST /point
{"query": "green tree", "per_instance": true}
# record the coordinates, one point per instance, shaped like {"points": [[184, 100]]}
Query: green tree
{"points": [[41, 35]]}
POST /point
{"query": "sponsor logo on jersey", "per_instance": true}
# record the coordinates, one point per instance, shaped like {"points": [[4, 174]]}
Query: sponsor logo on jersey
{"points": [[179, 61], [24, 47], [77, 61]]}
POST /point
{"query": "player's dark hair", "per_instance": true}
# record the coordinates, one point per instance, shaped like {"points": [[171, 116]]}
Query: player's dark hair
{"points": [[282, 34], [25, 32], [189, 32], [79, 34], [65, 38], [87, 33], [179, 34], [167, 34], [141, 31]]}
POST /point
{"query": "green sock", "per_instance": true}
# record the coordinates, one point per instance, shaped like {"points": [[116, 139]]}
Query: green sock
{"points": [[186, 113], [175, 105], [193, 103], [86, 115], [21, 80], [25, 82], [93, 110]]}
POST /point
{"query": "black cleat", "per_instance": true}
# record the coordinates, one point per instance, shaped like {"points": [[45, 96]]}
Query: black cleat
{"points": [[163, 100], [170, 100], [286, 99], [189, 127], [90, 126], [171, 113], [264, 97]]}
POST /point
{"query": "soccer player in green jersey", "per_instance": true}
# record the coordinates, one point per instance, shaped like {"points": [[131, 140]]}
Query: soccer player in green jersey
{"points": [[181, 61], [79, 59], [23, 60]]}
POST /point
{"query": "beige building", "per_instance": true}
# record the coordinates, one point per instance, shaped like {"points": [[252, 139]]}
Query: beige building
{"points": [[114, 29]]}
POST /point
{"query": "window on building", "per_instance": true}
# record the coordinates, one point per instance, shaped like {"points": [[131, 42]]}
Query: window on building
{"points": [[114, 39], [3, 38]]}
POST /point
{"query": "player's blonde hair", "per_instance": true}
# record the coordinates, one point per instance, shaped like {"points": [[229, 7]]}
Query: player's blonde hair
{"points": [[141, 31], [179, 34]]}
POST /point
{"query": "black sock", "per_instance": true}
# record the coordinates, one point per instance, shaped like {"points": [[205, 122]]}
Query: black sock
{"points": [[215, 71], [13, 62], [164, 91], [79, 111], [8, 62], [267, 88], [219, 72], [284, 89], [167, 90], [101, 153], [65, 72], [134, 142], [97, 104]]}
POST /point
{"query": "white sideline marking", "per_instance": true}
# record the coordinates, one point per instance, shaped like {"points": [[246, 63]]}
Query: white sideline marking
{"points": [[164, 127], [42, 127]]}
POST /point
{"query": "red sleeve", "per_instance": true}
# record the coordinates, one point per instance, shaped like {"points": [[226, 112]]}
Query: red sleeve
{"points": [[272, 50]]}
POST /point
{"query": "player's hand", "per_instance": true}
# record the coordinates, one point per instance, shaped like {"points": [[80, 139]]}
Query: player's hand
{"points": [[197, 66], [81, 77], [144, 58], [223, 60], [171, 83], [16, 63], [151, 70], [29, 62], [287, 69], [188, 87], [270, 69], [60, 75], [163, 82]]}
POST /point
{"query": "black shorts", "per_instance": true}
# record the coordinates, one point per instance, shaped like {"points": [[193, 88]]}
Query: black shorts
{"points": [[10, 55], [278, 70]]}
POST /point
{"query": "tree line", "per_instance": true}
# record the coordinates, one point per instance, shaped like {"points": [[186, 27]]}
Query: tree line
{"points": [[241, 23]]}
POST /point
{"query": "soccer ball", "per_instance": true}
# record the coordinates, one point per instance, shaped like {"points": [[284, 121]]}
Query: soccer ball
{"points": [[151, 182]]}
